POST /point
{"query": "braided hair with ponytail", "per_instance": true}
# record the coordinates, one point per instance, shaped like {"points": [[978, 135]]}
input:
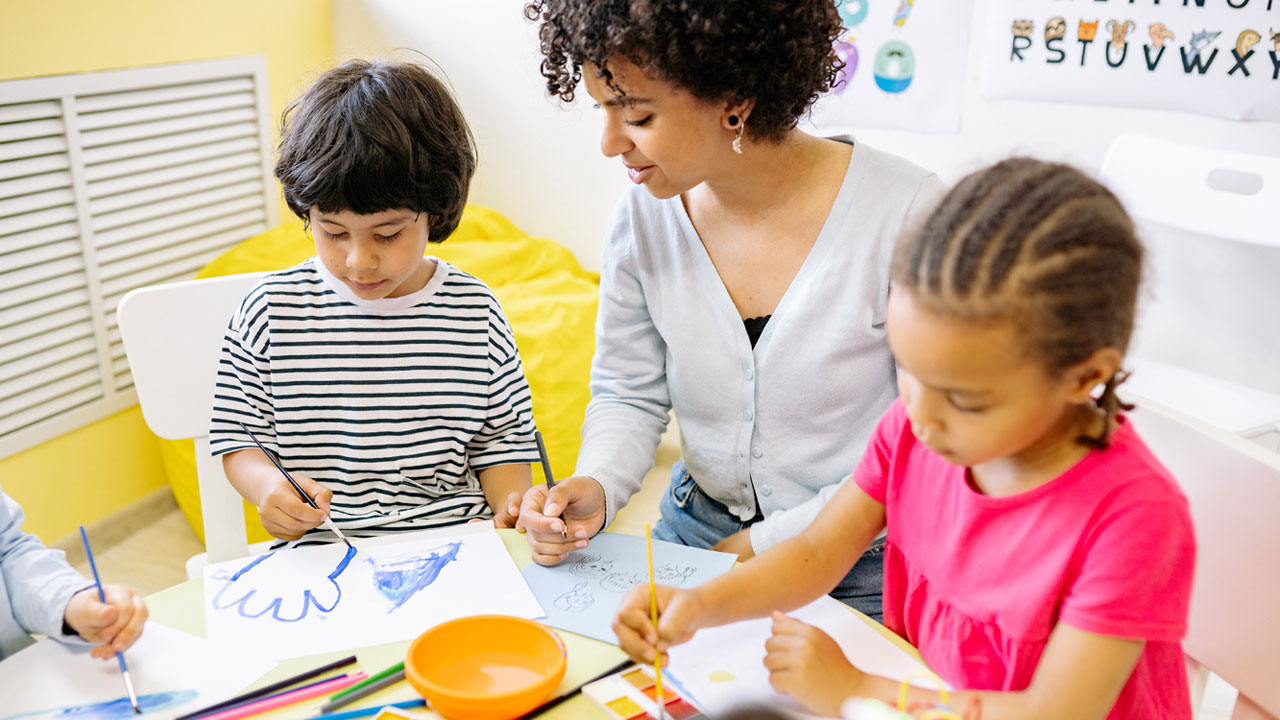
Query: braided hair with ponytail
{"points": [[1043, 246]]}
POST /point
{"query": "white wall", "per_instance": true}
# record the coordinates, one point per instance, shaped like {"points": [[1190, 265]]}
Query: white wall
{"points": [[540, 163]]}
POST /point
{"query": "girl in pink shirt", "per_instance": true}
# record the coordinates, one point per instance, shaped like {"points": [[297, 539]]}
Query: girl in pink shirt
{"points": [[1037, 554]]}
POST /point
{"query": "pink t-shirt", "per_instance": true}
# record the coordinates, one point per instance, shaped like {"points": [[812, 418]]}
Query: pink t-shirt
{"points": [[978, 583]]}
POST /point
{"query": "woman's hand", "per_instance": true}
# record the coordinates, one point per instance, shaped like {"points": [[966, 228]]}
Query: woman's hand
{"points": [[805, 663], [679, 616], [562, 519], [114, 625]]}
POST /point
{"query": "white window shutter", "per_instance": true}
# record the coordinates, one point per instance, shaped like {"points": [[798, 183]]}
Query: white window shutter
{"points": [[111, 181]]}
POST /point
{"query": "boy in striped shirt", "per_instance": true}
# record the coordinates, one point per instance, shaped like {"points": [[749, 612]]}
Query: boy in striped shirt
{"points": [[387, 382]]}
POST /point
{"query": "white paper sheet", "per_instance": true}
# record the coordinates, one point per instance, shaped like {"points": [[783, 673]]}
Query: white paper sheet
{"points": [[582, 593], [173, 673], [723, 667], [305, 601]]}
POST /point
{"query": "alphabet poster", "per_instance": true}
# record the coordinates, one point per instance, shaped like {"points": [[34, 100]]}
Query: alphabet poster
{"points": [[1211, 57], [904, 66], [303, 601]]}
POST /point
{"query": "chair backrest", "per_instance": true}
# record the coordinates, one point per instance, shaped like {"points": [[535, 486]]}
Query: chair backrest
{"points": [[173, 337], [1209, 222], [1233, 487]]}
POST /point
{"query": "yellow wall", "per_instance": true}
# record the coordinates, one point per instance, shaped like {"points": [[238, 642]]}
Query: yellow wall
{"points": [[88, 474], [83, 475]]}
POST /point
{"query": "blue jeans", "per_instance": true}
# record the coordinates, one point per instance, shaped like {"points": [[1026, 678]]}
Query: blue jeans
{"points": [[691, 517]]}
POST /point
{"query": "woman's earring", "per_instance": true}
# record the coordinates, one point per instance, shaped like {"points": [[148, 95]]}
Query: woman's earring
{"points": [[737, 139]]}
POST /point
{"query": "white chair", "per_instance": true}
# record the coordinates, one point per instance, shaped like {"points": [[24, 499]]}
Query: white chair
{"points": [[173, 337], [1207, 326], [1233, 487]]}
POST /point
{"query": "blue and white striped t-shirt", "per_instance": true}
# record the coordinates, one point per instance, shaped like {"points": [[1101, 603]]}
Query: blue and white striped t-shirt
{"points": [[393, 404]]}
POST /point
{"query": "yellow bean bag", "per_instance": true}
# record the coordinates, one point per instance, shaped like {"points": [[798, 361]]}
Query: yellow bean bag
{"points": [[547, 296]]}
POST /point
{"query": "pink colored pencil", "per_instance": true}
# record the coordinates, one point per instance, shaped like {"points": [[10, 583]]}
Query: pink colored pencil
{"points": [[288, 698]]}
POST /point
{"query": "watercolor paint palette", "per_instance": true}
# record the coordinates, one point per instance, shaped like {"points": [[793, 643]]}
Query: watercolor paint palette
{"points": [[633, 695]]}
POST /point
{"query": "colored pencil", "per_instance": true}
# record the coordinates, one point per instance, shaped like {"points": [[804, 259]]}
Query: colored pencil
{"points": [[289, 697], [242, 703], [546, 471], [267, 690], [384, 679], [571, 693], [372, 679], [328, 521], [102, 597], [367, 711], [653, 613]]}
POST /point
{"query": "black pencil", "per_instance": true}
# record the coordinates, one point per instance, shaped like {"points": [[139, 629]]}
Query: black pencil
{"points": [[252, 694], [546, 462], [556, 701], [546, 470]]}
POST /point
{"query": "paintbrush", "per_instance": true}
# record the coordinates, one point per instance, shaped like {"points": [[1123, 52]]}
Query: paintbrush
{"points": [[328, 521], [102, 597], [653, 613]]}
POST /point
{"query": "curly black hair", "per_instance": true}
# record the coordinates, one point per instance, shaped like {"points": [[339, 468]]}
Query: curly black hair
{"points": [[775, 52], [369, 136]]}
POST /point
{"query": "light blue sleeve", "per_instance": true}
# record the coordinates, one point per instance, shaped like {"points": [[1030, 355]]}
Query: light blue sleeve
{"points": [[38, 582], [630, 401], [780, 526]]}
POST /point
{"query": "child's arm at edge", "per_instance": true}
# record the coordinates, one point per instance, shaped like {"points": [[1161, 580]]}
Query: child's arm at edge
{"points": [[504, 487]]}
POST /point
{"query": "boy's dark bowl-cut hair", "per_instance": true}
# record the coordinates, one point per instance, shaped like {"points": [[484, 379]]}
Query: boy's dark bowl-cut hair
{"points": [[370, 136]]}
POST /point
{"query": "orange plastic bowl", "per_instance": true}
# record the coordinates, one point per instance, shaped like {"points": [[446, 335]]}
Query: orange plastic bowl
{"points": [[486, 667]]}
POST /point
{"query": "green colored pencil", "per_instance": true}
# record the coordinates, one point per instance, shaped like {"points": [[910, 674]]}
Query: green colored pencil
{"points": [[398, 667]]}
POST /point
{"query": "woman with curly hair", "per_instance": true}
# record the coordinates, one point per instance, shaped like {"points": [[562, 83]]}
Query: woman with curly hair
{"points": [[744, 277]]}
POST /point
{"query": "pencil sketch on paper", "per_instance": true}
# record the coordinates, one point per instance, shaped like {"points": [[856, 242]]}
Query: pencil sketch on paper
{"points": [[240, 592], [400, 578], [672, 574], [620, 581], [117, 709], [575, 600], [590, 566]]}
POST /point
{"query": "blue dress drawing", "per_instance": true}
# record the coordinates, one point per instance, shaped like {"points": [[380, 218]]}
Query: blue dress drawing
{"points": [[400, 579]]}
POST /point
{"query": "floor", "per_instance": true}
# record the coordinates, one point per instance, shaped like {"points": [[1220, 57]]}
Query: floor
{"points": [[152, 556]]}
